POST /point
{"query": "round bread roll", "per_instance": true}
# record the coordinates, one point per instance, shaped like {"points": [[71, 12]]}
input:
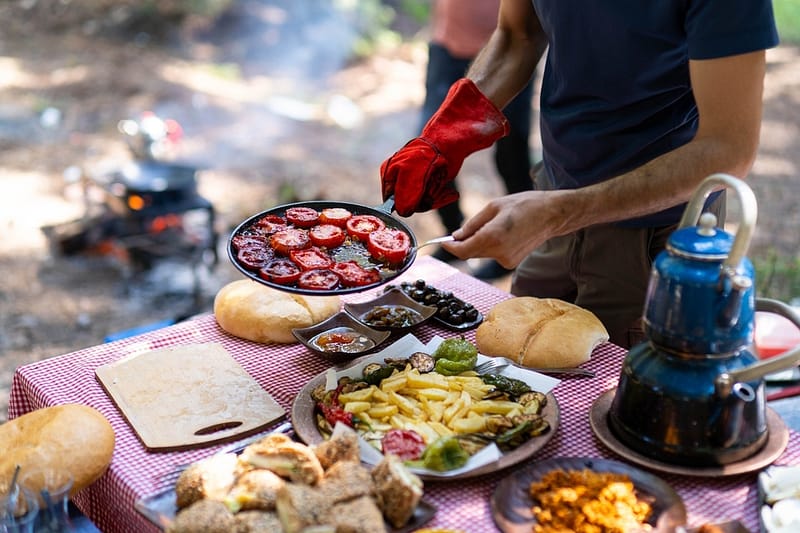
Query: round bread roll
{"points": [[71, 437], [262, 314], [540, 332]]}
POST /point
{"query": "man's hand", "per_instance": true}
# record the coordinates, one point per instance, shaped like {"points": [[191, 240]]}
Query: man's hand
{"points": [[510, 227], [420, 175]]}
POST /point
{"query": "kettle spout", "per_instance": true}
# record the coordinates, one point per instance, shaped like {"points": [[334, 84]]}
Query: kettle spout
{"points": [[733, 288]]}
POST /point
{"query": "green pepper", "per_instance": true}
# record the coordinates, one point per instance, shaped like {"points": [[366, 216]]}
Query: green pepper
{"points": [[376, 376], [455, 355], [512, 386], [447, 367], [443, 454]]}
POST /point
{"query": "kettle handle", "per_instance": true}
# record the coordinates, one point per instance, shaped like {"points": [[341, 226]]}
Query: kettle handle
{"points": [[788, 359], [749, 212]]}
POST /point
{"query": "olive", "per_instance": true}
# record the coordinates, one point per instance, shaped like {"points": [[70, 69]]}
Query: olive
{"points": [[450, 309]]}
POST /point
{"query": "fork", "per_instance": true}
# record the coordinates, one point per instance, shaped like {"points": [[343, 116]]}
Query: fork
{"points": [[437, 240], [495, 365], [169, 478]]}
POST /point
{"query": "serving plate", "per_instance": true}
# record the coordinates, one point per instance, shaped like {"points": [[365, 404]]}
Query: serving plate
{"points": [[418, 291], [511, 501], [338, 321], [304, 420], [390, 298], [786, 476], [388, 272], [160, 509], [777, 440]]}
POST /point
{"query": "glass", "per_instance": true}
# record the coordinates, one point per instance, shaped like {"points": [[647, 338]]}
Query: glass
{"points": [[18, 508], [51, 491]]}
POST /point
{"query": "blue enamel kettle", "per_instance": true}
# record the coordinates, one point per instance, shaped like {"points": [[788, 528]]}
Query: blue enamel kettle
{"points": [[693, 392]]}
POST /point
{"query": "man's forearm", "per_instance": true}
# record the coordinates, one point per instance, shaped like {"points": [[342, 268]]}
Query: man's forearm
{"points": [[664, 182]]}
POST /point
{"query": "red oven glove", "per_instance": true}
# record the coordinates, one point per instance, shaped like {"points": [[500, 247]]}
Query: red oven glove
{"points": [[421, 174]]}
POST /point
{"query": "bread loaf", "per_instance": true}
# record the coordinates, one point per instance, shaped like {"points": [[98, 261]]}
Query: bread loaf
{"points": [[262, 314], [71, 437], [540, 332]]}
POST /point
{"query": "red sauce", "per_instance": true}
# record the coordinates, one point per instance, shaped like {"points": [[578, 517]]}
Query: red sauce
{"points": [[344, 340]]}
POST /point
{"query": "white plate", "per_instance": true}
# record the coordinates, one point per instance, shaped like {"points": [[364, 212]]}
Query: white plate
{"points": [[305, 426]]}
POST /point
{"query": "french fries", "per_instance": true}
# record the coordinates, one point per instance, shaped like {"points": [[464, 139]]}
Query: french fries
{"points": [[431, 404]]}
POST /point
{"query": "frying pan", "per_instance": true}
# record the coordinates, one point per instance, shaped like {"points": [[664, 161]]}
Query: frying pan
{"points": [[383, 212]]}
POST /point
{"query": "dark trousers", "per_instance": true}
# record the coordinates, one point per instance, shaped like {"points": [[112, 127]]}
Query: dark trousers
{"points": [[511, 153]]}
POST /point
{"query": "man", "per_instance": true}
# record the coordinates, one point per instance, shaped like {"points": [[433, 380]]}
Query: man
{"points": [[640, 102]]}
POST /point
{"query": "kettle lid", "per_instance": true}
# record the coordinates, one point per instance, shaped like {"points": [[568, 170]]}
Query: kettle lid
{"points": [[705, 241]]}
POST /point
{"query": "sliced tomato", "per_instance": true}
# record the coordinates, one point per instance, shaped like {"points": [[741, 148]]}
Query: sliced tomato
{"points": [[249, 239], [271, 223], [254, 256], [327, 235], [407, 444], [360, 226], [282, 271], [318, 280], [338, 216], [289, 239], [389, 245], [311, 258], [302, 217], [354, 275]]}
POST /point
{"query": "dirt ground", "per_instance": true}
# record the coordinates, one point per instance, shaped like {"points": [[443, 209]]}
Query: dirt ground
{"points": [[272, 110]]}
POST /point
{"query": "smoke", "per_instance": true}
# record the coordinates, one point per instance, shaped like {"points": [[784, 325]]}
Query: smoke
{"points": [[273, 63]]}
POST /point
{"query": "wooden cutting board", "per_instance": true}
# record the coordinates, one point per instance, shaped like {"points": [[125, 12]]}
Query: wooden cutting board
{"points": [[187, 396]]}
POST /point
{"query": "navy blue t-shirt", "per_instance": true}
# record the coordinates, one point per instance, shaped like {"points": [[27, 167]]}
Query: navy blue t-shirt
{"points": [[616, 91]]}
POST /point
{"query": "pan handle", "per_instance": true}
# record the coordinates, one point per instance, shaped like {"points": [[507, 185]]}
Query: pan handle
{"points": [[387, 206]]}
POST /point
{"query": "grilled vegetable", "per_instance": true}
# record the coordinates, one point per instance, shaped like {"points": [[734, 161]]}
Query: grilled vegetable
{"points": [[455, 355], [445, 453]]}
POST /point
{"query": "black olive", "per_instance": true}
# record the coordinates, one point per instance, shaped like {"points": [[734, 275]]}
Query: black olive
{"points": [[471, 315], [420, 284]]}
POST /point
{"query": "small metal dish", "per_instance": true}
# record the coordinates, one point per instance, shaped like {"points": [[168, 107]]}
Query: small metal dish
{"points": [[367, 338], [396, 302]]}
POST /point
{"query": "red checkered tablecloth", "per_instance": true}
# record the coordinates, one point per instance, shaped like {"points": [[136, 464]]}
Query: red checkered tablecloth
{"points": [[282, 370]]}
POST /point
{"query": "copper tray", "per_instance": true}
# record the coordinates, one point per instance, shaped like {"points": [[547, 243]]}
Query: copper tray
{"points": [[304, 423], [777, 441]]}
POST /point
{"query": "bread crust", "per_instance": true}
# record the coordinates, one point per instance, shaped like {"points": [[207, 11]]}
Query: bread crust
{"points": [[210, 478], [72, 437], [398, 490], [540, 332], [258, 313]]}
